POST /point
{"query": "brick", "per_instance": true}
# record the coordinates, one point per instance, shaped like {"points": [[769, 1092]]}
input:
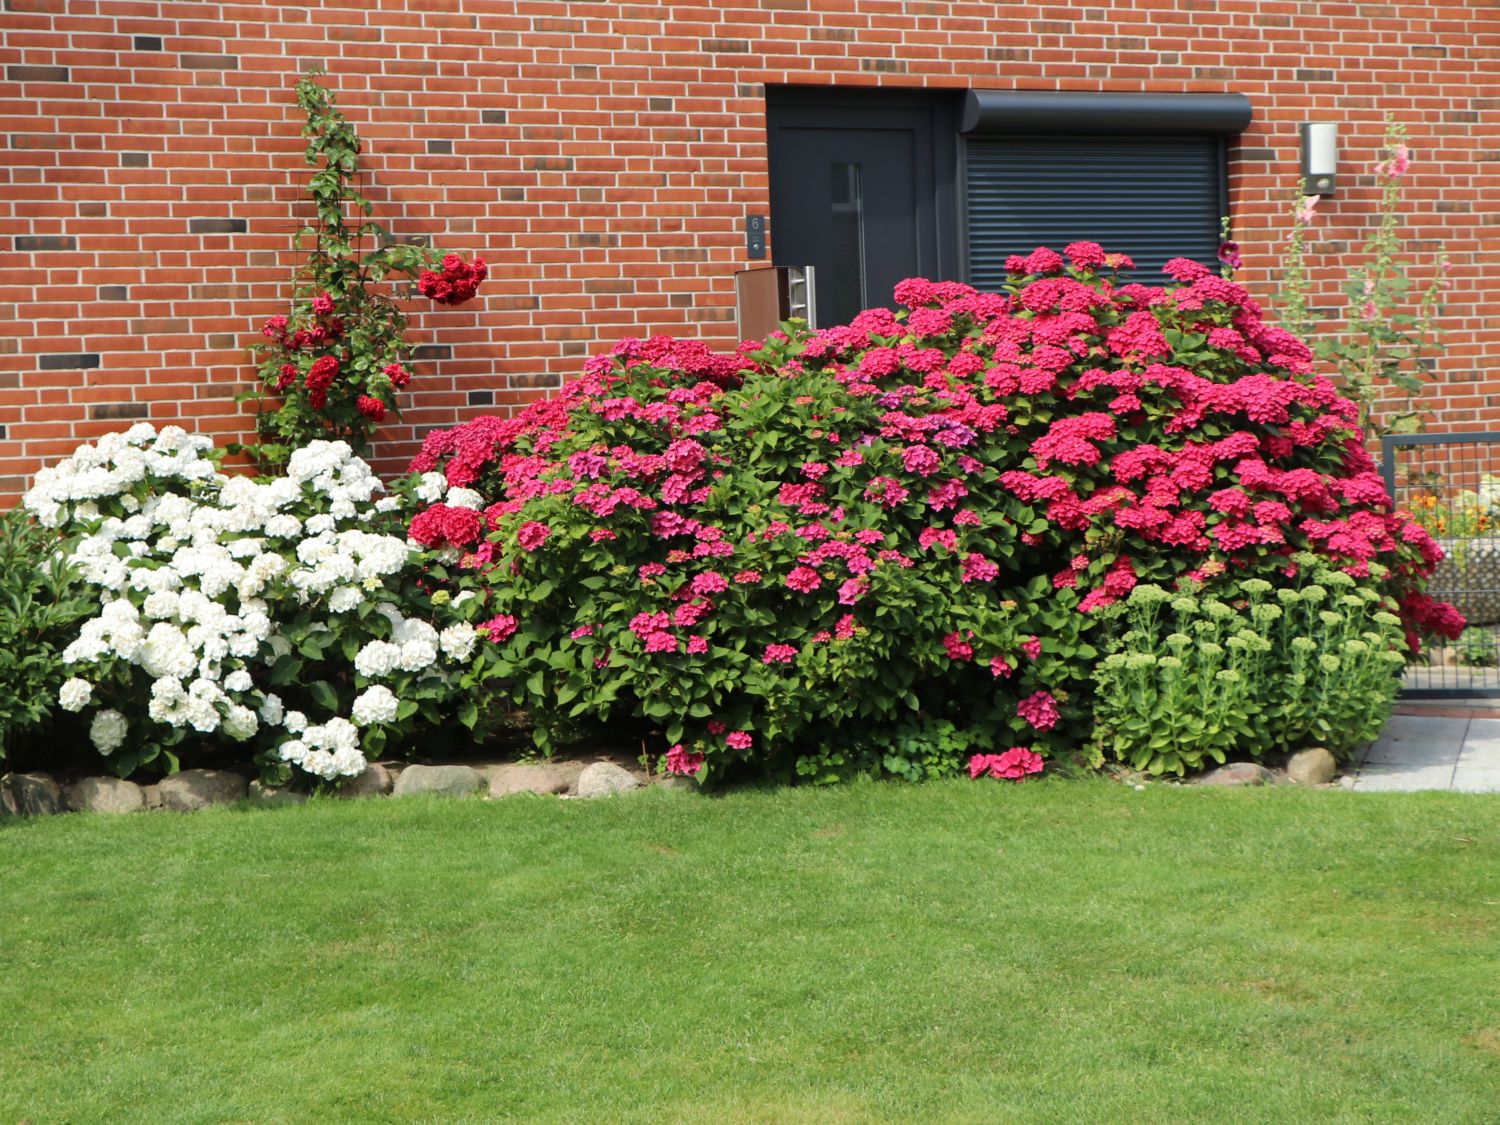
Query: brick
{"points": [[208, 62], [37, 243], [218, 226], [111, 411], [68, 361], [609, 155], [20, 73]]}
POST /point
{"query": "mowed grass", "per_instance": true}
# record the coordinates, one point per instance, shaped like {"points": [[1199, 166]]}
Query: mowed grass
{"points": [[1053, 952]]}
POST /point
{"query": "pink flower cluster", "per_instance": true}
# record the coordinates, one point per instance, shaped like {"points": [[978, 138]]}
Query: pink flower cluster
{"points": [[1016, 764], [901, 502]]}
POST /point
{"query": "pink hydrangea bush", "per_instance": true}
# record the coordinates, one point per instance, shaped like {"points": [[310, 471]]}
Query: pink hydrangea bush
{"points": [[808, 546]]}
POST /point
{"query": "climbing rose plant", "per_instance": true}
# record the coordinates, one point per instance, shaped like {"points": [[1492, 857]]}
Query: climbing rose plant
{"points": [[333, 367], [806, 554]]}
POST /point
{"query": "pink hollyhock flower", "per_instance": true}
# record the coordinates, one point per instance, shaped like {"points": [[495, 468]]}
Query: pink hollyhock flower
{"points": [[804, 579], [682, 761], [1306, 209], [1039, 709], [737, 740], [779, 654], [532, 535], [1229, 254]]}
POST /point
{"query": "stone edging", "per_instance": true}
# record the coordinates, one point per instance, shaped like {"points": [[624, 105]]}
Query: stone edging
{"points": [[39, 794]]}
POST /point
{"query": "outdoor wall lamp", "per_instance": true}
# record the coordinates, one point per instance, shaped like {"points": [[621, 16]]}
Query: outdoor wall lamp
{"points": [[1320, 157]]}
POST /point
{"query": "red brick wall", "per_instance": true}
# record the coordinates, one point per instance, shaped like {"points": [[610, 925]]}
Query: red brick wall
{"points": [[602, 157]]}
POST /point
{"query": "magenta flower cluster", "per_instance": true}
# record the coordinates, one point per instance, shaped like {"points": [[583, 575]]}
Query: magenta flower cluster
{"points": [[814, 542]]}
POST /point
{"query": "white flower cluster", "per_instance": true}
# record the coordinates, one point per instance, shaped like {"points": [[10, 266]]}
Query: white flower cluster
{"points": [[113, 467], [199, 572], [327, 751]]}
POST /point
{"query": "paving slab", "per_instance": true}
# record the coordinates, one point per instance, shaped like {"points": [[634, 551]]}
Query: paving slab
{"points": [[1476, 780], [1404, 778]]}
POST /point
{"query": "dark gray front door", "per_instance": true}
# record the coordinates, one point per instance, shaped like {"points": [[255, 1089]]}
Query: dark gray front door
{"points": [[862, 189]]}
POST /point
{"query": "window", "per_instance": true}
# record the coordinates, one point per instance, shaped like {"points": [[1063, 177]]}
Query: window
{"points": [[1143, 174]]}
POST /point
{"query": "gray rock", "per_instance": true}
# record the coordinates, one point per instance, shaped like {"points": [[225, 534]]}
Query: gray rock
{"points": [[675, 781], [105, 795], [1312, 767], [152, 793], [29, 794], [605, 779], [1239, 773], [376, 781], [267, 796], [445, 781], [192, 790], [533, 777]]}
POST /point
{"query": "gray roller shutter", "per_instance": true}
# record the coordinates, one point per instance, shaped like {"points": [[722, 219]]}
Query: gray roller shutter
{"points": [[1153, 198]]}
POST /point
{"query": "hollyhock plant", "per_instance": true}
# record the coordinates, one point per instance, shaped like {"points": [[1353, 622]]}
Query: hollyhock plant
{"points": [[332, 368], [888, 546]]}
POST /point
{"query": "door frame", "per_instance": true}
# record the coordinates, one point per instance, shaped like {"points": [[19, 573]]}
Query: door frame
{"points": [[943, 108]]}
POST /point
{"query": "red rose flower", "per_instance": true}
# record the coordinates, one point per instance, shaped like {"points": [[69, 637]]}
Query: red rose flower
{"points": [[323, 372]]}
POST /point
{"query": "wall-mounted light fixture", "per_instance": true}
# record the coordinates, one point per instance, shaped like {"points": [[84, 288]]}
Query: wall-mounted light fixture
{"points": [[1320, 157]]}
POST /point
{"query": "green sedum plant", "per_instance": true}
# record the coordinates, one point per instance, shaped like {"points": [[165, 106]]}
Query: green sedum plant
{"points": [[1249, 669]]}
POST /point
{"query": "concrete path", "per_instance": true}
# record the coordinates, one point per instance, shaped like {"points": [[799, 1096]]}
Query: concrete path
{"points": [[1452, 748]]}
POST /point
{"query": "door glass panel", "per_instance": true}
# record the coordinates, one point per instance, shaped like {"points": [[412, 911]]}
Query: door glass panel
{"points": [[841, 291]]}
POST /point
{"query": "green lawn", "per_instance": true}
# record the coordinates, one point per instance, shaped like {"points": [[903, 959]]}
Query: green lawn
{"points": [[1079, 952]]}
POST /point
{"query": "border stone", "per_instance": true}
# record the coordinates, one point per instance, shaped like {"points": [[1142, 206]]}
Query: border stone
{"points": [[29, 794], [1238, 773], [510, 778], [605, 779], [376, 781], [444, 781], [104, 795], [269, 797], [1314, 766], [192, 790]]}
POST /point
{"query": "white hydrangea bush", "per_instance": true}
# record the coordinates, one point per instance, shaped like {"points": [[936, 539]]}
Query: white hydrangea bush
{"points": [[285, 618]]}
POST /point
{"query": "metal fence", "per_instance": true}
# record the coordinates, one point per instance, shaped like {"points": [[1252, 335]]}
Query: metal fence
{"points": [[1451, 483]]}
